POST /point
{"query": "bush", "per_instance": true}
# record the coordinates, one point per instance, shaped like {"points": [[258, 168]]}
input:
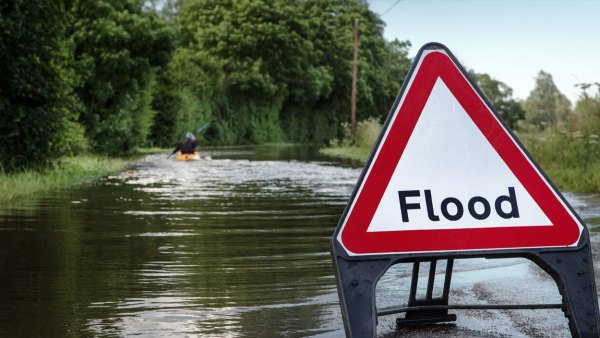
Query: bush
{"points": [[38, 109], [367, 132], [571, 160]]}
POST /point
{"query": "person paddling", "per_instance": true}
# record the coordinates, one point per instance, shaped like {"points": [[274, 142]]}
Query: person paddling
{"points": [[187, 146]]}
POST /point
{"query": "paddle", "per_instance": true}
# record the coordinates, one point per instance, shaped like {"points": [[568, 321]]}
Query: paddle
{"points": [[203, 128]]}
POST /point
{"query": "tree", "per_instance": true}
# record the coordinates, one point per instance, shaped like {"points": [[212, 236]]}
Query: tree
{"points": [[190, 90], [382, 67], [38, 109], [500, 96], [587, 112], [546, 106], [264, 51], [275, 70], [117, 47]]}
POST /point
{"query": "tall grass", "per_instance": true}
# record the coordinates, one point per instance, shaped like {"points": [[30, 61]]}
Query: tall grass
{"points": [[571, 160], [68, 172], [582, 180], [358, 148]]}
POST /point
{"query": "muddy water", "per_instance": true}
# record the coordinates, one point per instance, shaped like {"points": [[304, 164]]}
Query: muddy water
{"points": [[232, 246]]}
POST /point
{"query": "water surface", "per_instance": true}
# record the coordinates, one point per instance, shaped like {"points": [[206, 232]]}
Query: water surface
{"points": [[232, 246]]}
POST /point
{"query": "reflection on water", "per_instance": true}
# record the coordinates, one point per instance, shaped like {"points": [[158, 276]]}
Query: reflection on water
{"points": [[234, 246]]}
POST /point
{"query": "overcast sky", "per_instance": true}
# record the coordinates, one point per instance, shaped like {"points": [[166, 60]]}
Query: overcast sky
{"points": [[512, 40]]}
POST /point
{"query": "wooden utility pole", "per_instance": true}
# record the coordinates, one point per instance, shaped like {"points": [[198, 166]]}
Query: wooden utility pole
{"points": [[354, 75]]}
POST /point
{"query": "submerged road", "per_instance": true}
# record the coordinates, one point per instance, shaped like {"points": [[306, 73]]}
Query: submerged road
{"points": [[235, 246]]}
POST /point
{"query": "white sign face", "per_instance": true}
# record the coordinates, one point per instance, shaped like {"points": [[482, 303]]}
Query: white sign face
{"points": [[450, 177]]}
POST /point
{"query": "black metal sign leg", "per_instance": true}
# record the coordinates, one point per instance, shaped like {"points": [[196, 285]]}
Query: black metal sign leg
{"points": [[428, 316], [574, 273], [356, 288]]}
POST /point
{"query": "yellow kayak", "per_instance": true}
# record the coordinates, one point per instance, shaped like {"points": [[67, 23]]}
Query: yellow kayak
{"points": [[188, 157]]}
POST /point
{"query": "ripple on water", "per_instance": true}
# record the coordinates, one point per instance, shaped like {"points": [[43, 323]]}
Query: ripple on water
{"points": [[211, 248]]}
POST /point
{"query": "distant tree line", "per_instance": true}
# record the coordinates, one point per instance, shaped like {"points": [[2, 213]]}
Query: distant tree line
{"points": [[77, 76], [273, 71], [107, 76]]}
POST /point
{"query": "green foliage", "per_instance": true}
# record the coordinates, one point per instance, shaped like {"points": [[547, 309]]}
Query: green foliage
{"points": [[500, 96], [546, 106], [190, 91], [262, 51], [367, 132], [117, 46], [358, 148], [261, 45], [163, 103], [586, 117], [562, 149], [381, 70], [38, 110], [349, 153], [571, 160], [572, 157], [582, 180], [279, 70]]}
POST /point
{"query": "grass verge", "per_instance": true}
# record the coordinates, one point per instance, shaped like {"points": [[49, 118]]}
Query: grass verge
{"points": [[581, 180], [351, 153], [68, 172]]}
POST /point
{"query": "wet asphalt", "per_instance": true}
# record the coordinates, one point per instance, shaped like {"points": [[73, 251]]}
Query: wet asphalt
{"points": [[527, 284]]}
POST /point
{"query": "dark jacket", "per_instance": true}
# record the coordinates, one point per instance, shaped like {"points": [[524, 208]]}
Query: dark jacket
{"points": [[186, 147]]}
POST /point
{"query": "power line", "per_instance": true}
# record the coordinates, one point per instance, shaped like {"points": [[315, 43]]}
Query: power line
{"points": [[389, 9]]}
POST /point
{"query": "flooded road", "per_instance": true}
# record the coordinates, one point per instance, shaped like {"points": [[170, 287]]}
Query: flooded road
{"points": [[232, 246]]}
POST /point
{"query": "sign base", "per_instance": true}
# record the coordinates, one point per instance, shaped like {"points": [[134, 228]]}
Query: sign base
{"points": [[432, 313], [571, 269]]}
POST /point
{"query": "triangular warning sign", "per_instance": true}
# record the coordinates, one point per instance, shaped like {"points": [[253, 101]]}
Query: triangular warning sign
{"points": [[447, 175]]}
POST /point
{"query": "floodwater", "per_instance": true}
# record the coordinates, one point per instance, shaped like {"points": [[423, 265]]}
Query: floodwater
{"points": [[235, 245]]}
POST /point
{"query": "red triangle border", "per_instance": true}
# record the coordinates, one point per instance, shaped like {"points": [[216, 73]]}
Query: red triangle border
{"points": [[564, 231]]}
